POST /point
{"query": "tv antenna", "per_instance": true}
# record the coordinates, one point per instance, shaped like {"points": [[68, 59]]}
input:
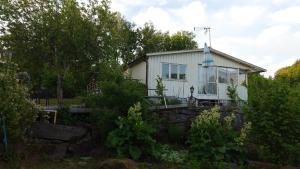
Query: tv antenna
{"points": [[206, 30]]}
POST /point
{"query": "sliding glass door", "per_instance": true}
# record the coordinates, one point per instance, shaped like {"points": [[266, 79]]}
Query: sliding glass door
{"points": [[207, 80]]}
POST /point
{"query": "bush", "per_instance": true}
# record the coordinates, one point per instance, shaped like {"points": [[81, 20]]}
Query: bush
{"points": [[118, 95], [166, 153], [17, 110], [212, 141], [274, 112], [133, 137]]}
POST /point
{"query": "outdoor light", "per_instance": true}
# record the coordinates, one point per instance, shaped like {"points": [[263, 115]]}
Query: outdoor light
{"points": [[192, 91]]}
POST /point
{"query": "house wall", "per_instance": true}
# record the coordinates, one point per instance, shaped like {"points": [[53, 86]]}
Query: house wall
{"points": [[181, 88], [138, 72]]}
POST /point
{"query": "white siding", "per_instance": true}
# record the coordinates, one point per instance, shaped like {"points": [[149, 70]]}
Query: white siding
{"points": [[182, 88], [138, 72]]}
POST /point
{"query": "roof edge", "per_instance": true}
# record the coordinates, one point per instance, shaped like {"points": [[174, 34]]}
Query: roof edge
{"points": [[256, 68]]}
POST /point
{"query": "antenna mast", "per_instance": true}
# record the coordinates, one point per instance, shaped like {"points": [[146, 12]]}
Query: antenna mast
{"points": [[206, 29]]}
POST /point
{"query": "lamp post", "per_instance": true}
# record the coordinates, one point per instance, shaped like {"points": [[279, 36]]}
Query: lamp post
{"points": [[192, 91]]}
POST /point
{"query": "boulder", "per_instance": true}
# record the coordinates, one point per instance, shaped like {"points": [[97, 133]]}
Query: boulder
{"points": [[118, 164], [58, 132]]}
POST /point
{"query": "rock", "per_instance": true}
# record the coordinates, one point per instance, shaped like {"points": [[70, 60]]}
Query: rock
{"points": [[57, 132], [118, 164]]}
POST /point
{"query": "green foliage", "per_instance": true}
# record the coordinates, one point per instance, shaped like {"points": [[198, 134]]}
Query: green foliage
{"points": [[16, 108], [116, 92], [133, 137], [66, 38], [117, 95], [292, 73], [274, 112], [232, 94], [159, 87], [152, 40], [166, 153], [212, 141]]}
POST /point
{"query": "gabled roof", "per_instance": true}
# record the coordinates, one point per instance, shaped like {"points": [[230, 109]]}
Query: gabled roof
{"points": [[229, 57]]}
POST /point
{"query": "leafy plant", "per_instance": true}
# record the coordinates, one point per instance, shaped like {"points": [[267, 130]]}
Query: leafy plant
{"points": [[166, 153], [117, 93], [133, 137], [159, 87], [17, 111], [212, 141], [274, 112], [232, 94]]}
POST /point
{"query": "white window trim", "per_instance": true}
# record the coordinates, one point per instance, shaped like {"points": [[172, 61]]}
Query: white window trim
{"points": [[178, 72], [228, 80]]}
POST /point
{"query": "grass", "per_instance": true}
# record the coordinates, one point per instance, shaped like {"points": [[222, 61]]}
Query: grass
{"points": [[67, 101]]}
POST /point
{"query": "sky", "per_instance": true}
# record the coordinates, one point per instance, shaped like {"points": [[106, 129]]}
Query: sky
{"points": [[263, 32]]}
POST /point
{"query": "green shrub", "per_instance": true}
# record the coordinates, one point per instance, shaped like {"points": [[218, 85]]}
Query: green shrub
{"points": [[133, 137], [166, 153], [118, 95], [212, 141], [274, 111], [16, 108]]}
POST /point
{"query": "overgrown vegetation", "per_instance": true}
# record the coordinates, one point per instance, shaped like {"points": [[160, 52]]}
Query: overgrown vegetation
{"points": [[16, 110], [133, 137], [116, 92], [274, 112], [212, 142]]}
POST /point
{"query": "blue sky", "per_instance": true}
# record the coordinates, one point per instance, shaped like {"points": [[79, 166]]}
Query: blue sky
{"points": [[262, 32]]}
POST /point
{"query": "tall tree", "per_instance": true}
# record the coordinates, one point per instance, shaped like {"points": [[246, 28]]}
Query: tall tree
{"points": [[152, 40], [63, 36]]}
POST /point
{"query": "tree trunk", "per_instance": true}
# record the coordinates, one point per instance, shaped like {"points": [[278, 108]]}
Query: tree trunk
{"points": [[59, 90]]}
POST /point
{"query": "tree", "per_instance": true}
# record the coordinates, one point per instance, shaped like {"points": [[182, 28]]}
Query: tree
{"points": [[274, 111], [292, 73], [152, 40], [65, 37]]}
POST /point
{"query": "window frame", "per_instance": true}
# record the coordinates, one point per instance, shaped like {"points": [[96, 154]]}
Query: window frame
{"points": [[178, 71], [228, 81]]}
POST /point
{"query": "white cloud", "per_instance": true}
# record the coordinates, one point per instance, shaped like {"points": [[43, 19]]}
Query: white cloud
{"points": [[160, 18], [274, 47], [191, 15], [288, 15], [173, 19], [248, 30], [246, 15]]}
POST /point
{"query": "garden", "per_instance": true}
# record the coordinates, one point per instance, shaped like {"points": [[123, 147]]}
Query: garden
{"points": [[43, 64]]}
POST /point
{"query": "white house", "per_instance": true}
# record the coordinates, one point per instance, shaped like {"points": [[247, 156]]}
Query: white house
{"points": [[208, 70]]}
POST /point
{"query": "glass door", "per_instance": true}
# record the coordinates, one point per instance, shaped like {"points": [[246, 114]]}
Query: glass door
{"points": [[207, 80]]}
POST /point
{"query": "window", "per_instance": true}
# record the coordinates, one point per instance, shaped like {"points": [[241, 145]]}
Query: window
{"points": [[165, 71], [242, 77], [227, 75], [207, 80], [174, 71], [232, 76], [222, 75], [182, 72]]}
